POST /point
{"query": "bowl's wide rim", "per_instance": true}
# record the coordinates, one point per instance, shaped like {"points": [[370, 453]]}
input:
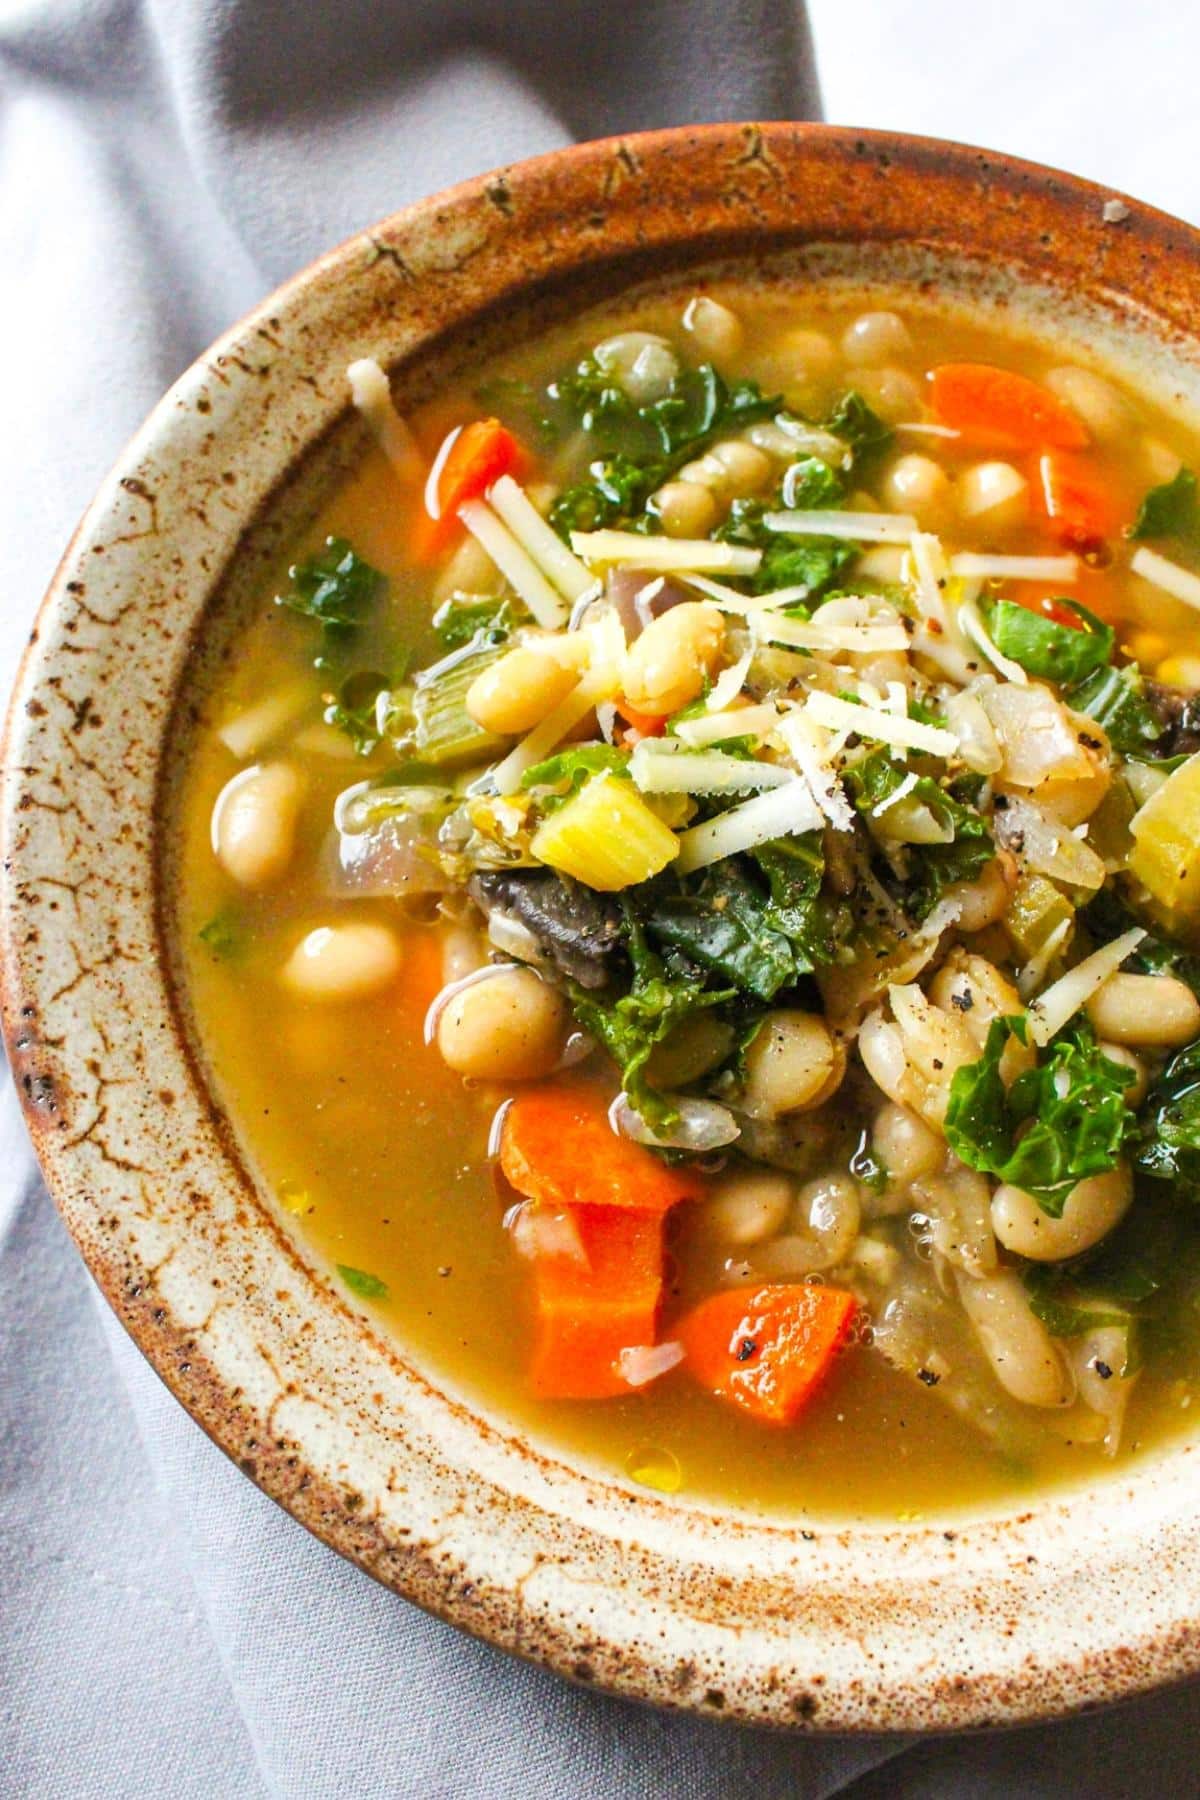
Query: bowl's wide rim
{"points": [[1066, 1604]]}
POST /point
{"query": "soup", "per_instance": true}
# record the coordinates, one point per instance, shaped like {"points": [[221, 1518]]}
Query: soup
{"points": [[688, 887]]}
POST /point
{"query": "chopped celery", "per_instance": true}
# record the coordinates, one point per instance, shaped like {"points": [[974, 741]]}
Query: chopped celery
{"points": [[1166, 844], [1036, 910], [606, 836], [445, 733], [1108, 828]]}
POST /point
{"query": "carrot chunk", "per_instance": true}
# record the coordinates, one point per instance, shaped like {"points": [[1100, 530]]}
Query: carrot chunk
{"points": [[645, 724], [421, 976], [1003, 411], [557, 1146], [1083, 509], [479, 455], [593, 1306], [767, 1350]]}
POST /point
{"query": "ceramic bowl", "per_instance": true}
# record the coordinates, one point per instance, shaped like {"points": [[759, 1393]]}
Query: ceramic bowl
{"points": [[1074, 1600]]}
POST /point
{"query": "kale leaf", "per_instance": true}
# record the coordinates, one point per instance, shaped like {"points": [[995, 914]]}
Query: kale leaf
{"points": [[1106, 918], [1171, 510], [1071, 1102], [862, 431], [1116, 699], [1043, 646], [566, 773], [224, 934], [337, 589], [875, 779], [464, 618], [1169, 1135], [811, 483], [788, 560], [630, 1022]]}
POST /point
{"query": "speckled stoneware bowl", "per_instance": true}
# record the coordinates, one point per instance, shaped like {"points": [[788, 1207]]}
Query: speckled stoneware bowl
{"points": [[1076, 1600]]}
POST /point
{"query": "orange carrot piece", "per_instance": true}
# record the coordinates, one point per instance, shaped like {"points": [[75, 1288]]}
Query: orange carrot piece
{"points": [[1083, 508], [645, 724], [480, 454], [557, 1146], [1003, 411], [767, 1350], [421, 977], [588, 1312]]}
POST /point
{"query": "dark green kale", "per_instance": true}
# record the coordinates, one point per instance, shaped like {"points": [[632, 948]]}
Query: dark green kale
{"points": [[338, 590], [225, 934], [788, 560], [1060, 1121], [1169, 1132], [1171, 510], [564, 774], [1106, 918], [864, 434], [629, 1020], [1116, 699], [463, 619], [875, 779], [1043, 646]]}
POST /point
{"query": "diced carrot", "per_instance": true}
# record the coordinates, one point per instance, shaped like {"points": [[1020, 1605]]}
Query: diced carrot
{"points": [[479, 455], [645, 724], [1003, 411], [766, 1350], [421, 977], [1082, 507], [589, 1311], [557, 1146], [1048, 606]]}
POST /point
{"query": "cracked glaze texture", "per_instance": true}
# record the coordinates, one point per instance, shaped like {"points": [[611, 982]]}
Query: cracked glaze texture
{"points": [[1081, 1599]]}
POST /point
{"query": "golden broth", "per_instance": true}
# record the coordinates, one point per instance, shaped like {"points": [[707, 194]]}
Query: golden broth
{"points": [[380, 1153]]}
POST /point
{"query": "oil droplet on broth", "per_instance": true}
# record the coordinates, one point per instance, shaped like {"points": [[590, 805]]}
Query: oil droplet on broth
{"points": [[654, 1468], [293, 1198]]}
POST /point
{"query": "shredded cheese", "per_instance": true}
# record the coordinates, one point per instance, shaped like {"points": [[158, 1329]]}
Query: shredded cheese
{"points": [[782, 812], [1015, 568], [545, 738], [900, 793], [1071, 991], [664, 554], [811, 749], [869, 528], [515, 564], [731, 601], [544, 546], [742, 721], [659, 766], [730, 681], [372, 396], [883, 727], [974, 628], [1180, 583]]}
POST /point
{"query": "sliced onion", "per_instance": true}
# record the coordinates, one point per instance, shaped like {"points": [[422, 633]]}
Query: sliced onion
{"points": [[442, 1000], [643, 1363], [1048, 847], [702, 1124], [538, 1233], [496, 1130]]}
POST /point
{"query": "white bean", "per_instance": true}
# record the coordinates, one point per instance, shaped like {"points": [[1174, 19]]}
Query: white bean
{"points": [[516, 692], [1158, 1010], [792, 1064], [874, 338], [254, 823], [892, 393], [1092, 1208], [826, 1216], [1138, 1088], [685, 509], [916, 484], [746, 469], [716, 329], [905, 1145], [1105, 411], [1018, 1346], [342, 962], [993, 495], [667, 666], [508, 1028], [745, 1209]]}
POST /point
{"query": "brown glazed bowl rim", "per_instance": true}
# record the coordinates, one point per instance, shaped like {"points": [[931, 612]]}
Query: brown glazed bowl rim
{"points": [[1071, 1601]]}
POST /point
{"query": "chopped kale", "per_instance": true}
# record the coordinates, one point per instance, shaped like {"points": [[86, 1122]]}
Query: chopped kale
{"points": [[1043, 646], [355, 710], [1116, 699], [1060, 1121], [564, 774], [337, 589], [465, 618], [1169, 1132], [366, 1286], [1171, 510], [861, 430], [224, 934], [875, 779], [788, 560]]}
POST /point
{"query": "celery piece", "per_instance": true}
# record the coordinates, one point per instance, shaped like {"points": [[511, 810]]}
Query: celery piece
{"points": [[1166, 844], [606, 837], [445, 733], [1035, 912]]}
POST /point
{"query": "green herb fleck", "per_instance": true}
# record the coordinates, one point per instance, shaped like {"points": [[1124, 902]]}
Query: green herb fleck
{"points": [[367, 1287]]}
